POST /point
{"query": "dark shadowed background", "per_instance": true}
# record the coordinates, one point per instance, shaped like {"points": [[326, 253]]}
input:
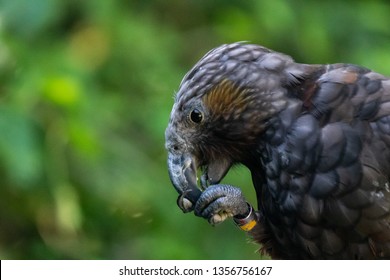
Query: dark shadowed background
{"points": [[86, 89]]}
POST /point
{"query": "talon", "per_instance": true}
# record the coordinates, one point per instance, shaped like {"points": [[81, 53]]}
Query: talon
{"points": [[216, 219]]}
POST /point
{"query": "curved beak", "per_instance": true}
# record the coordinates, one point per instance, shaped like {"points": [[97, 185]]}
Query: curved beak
{"points": [[182, 170]]}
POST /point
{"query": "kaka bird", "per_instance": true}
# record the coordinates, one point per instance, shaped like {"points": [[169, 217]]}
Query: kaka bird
{"points": [[316, 139]]}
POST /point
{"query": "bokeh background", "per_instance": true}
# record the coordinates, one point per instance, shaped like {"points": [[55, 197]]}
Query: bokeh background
{"points": [[86, 89]]}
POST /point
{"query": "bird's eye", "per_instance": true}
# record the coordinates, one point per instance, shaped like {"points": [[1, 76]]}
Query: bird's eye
{"points": [[196, 116]]}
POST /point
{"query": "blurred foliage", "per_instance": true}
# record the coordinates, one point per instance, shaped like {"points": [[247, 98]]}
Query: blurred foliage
{"points": [[85, 93]]}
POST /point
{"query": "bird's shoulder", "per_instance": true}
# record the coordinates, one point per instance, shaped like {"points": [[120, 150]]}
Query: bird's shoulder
{"points": [[342, 92]]}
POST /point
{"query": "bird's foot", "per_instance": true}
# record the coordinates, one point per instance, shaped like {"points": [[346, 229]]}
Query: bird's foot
{"points": [[219, 202]]}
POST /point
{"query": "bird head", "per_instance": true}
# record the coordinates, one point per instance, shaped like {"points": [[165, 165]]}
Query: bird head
{"points": [[220, 112]]}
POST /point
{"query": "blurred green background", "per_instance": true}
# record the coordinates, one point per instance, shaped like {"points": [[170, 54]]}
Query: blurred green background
{"points": [[85, 93]]}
